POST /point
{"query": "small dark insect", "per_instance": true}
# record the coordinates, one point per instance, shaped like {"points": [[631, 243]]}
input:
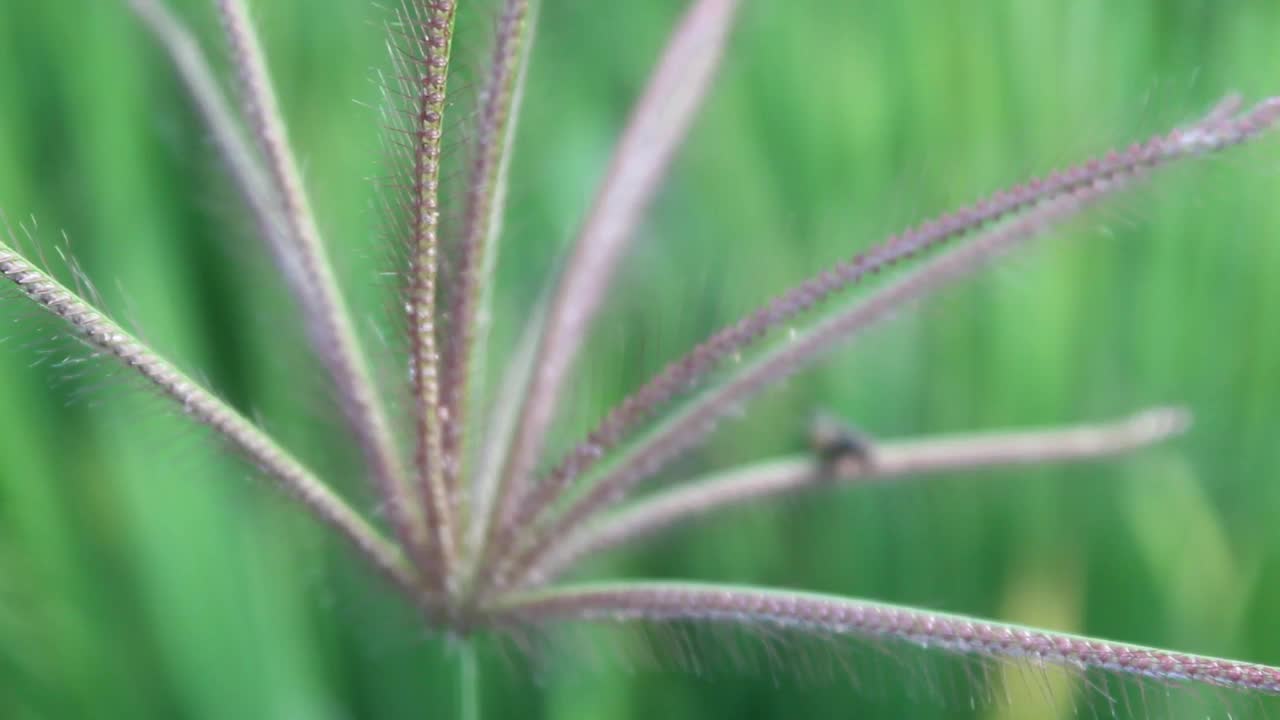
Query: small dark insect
{"points": [[840, 447]]}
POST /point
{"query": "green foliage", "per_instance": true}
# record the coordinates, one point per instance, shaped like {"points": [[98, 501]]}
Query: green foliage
{"points": [[135, 581]]}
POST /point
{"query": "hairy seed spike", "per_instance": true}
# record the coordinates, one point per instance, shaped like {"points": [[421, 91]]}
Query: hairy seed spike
{"points": [[328, 319], [684, 373], [482, 224], [250, 178], [657, 127], [202, 406], [692, 425], [829, 615], [432, 22]]}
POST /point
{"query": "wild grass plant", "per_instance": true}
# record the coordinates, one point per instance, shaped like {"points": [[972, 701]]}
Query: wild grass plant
{"points": [[479, 516]]}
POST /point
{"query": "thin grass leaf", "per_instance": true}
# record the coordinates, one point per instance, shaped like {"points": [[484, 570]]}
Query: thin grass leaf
{"points": [[290, 475], [878, 461], [835, 616], [658, 124], [693, 424], [327, 316]]}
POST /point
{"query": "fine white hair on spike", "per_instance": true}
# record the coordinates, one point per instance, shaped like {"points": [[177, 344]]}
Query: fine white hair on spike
{"points": [[656, 601], [294, 478]]}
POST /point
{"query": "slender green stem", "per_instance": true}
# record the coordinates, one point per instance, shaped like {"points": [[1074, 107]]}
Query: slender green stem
{"points": [[468, 681]]}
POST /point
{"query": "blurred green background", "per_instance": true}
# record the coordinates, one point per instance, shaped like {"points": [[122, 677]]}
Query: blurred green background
{"points": [[144, 574]]}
